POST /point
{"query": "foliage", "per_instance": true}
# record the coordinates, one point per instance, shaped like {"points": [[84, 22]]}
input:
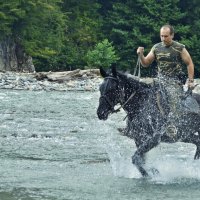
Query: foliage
{"points": [[9, 13], [84, 31], [103, 55], [137, 23], [58, 34], [192, 22], [36, 25]]}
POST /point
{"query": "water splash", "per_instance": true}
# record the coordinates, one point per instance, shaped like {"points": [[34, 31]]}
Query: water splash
{"points": [[121, 165], [173, 161], [120, 149]]}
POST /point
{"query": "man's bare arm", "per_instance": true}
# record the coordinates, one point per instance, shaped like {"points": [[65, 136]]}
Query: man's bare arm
{"points": [[188, 61], [145, 61]]}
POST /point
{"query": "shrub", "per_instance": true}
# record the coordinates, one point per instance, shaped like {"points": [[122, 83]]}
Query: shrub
{"points": [[103, 55]]}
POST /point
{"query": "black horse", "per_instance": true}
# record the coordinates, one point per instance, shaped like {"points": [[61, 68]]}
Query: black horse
{"points": [[147, 114]]}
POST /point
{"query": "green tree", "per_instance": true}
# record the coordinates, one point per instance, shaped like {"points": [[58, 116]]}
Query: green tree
{"points": [[103, 55], [191, 21], [59, 33], [36, 26], [137, 23], [9, 13], [84, 30], [42, 31]]}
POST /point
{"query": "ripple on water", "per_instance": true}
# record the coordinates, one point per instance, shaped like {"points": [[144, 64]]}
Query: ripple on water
{"points": [[53, 147]]}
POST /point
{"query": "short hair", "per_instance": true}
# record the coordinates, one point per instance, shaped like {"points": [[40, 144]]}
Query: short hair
{"points": [[171, 28]]}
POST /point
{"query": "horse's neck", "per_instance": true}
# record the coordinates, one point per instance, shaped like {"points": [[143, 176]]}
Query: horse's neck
{"points": [[134, 99]]}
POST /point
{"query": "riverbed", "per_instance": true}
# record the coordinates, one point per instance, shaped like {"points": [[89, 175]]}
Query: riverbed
{"points": [[53, 147]]}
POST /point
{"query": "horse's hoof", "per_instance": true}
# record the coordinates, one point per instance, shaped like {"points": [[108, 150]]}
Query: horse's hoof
{"points": [[145, 174], [197, 156]]}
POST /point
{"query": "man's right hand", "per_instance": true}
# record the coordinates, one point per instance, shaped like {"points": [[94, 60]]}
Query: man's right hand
{"points": [[190, 84], [140, 50]]}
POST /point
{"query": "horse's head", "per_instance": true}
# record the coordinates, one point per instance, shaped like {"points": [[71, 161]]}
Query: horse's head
{"points": [[110, 93]]}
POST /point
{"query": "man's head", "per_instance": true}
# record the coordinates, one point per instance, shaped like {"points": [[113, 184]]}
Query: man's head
{"points": [[167, 34]]}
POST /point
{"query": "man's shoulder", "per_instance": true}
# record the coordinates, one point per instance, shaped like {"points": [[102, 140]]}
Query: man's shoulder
{"points": [[158, 44], [178, 45]]}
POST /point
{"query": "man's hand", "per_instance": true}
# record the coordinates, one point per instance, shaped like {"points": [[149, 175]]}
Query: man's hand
{"points": [[140, 50], [145, 61], [190, 83]]}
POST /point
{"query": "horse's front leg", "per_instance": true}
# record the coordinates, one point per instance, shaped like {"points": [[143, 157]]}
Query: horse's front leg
{"points": [[138, 157], [138, 161]]}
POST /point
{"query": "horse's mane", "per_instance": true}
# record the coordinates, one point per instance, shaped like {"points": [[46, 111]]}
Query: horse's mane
{"points": [[136, 81]]}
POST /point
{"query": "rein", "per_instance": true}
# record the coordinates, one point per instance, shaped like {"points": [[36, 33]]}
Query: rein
{"points": [[118, 109], [138, 67]]}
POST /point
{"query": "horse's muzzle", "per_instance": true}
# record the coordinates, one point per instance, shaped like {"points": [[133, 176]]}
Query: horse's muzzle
{"points": [[102, 115]]}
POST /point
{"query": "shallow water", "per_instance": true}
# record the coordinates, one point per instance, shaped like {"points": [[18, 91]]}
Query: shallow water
{"points": [[53, 147]]}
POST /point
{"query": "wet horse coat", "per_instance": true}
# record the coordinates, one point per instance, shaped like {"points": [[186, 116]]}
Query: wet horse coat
{"points": [[147, 115]]}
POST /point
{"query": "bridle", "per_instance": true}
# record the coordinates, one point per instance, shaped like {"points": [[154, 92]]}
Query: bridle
{"points": [[106, 98], [111, 104]]}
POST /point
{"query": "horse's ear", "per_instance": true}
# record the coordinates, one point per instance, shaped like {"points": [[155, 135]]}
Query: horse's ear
{"points": [[114, 70], [103, 72]]}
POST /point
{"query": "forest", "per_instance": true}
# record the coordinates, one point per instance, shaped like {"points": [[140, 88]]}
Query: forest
{"points": [[63, 35]]}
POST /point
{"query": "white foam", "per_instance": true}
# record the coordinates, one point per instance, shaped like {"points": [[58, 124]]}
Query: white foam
{"points": [[173, 161], [121, 165], [120, 150]]}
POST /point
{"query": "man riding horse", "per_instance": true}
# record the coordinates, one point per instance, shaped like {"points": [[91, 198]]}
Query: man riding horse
{"points": [[151, 109], [170, 56]]}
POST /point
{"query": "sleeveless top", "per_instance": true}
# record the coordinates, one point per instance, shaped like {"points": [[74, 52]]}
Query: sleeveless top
{"points": [[168, 58]]}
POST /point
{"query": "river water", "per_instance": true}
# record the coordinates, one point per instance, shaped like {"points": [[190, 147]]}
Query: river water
{"points": [[53, 147]]}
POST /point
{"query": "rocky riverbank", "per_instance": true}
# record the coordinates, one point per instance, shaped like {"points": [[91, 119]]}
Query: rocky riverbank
{"points": [[77, 80], [80, 80]]}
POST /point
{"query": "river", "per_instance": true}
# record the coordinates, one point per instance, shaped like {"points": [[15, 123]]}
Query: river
{"points": [[53, 147]]}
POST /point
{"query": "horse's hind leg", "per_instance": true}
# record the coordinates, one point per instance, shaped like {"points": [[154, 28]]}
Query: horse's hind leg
{"points": [[138, 157], [197, 154], [195, 140], [191, 126]]}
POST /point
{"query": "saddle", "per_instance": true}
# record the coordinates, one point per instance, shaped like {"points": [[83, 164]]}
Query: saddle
{"points": [[190, 103]]}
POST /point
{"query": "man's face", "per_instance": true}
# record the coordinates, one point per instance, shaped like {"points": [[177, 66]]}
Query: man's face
{"points": [[165, 36]]}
